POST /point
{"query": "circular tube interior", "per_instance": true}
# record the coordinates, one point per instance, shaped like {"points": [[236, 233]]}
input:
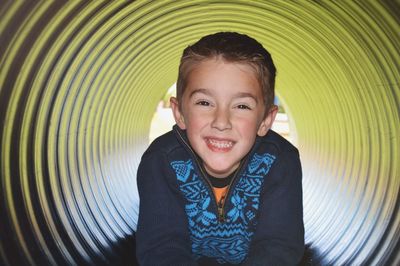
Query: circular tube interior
{"points": [[80, 81]]}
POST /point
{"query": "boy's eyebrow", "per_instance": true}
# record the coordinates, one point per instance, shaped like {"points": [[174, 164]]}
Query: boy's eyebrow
{"points": [[238, 95], [200, 90], [246, 95]]}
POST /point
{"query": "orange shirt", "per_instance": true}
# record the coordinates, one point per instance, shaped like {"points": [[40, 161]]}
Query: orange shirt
{"points": [[219, 192]]}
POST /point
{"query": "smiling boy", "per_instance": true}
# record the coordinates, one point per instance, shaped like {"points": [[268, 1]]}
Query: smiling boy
{"points": [[221, 187]]}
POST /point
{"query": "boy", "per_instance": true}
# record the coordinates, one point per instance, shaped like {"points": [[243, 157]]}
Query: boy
{"points": [[221, 187]]}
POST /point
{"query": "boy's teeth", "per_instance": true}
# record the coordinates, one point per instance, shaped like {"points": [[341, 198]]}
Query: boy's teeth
{"points": [[220, 144]]}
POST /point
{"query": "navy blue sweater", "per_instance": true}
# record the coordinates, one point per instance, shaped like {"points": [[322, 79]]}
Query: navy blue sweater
{"points": [[180, 222]]}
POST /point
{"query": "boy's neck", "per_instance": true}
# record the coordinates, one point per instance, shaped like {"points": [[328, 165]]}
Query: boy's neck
{"points": [[220, 182]]}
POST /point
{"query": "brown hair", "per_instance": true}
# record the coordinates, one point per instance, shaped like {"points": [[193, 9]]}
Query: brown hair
{"points": [[232, 47]]}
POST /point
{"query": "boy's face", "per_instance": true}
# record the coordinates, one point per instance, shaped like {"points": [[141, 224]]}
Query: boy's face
{"points": [[222, 111]]}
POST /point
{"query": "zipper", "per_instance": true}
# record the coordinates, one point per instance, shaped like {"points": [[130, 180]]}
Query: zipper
{"points": [[198, 164], [221, 213], [221, 204]]}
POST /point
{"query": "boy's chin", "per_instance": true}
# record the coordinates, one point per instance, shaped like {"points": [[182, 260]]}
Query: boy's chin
{"points": [[219, 171]]}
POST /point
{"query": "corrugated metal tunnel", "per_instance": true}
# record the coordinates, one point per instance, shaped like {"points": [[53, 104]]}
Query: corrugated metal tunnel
{"points": [[80, 81]]}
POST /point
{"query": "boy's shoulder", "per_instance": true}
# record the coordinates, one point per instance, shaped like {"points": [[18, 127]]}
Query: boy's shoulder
{"points": [[276, 144], [163, 144]]}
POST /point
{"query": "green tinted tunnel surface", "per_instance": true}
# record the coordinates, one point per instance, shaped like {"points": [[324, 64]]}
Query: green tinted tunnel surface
{"points": [[80, 81]]}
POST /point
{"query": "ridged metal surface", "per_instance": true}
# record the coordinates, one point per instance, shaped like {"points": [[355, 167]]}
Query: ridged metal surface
{"points": [[80, 81]]}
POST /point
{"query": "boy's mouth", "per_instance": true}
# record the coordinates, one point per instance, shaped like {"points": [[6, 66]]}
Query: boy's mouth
{"points": [[219, 145]]}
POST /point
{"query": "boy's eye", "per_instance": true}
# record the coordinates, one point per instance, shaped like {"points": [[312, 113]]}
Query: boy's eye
{"points": [[203, 103], [243, 106]]}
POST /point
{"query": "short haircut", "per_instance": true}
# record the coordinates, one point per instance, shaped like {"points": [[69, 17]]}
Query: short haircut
{"points": [[231, 47]]}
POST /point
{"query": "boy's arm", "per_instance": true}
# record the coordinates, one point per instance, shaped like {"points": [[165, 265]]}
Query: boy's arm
{"points": [[162, 236], [279, 236]]}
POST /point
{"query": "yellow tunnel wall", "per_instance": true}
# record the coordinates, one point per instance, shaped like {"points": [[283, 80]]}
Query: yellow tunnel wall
{"points": [[80, 81]]}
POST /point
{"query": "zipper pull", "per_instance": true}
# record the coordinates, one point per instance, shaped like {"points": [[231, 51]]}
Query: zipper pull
{"points": [[221, 214]]}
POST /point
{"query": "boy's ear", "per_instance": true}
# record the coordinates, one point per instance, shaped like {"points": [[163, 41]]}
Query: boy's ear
{"points": [[179, 120], [266, 124]]}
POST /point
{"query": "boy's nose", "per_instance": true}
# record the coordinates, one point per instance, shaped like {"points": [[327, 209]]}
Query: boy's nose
{"points": [[221, 120]]}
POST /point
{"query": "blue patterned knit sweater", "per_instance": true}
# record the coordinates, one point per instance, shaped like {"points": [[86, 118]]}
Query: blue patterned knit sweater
{"points": [[178, 205], [226, 241]]}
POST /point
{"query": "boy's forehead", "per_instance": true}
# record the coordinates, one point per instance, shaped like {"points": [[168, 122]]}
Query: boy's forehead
{"points": [[219, 68], [203, 76]]}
